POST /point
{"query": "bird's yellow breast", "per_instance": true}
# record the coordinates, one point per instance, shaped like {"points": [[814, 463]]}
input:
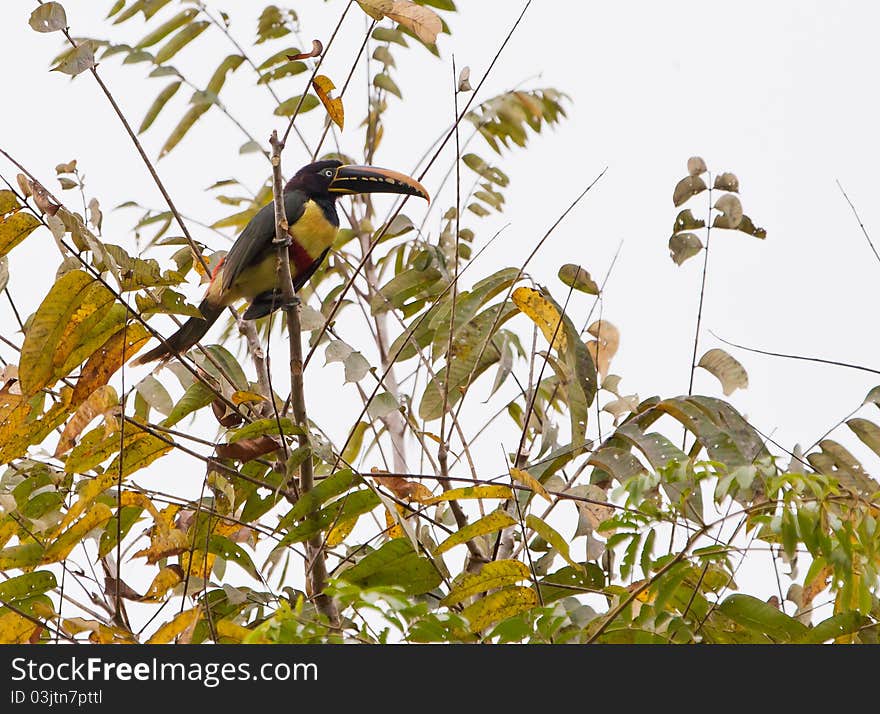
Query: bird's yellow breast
{"points": [[313, 231]]}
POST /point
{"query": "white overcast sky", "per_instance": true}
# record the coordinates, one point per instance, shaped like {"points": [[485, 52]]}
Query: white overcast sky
{"points": [[781, 93]]}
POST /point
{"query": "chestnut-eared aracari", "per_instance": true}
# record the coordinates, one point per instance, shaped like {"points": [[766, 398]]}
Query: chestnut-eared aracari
{"points": [[250, 271]]}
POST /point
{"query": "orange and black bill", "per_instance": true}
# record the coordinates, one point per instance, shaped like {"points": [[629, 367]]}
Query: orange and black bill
{"points": [[372, 179]]}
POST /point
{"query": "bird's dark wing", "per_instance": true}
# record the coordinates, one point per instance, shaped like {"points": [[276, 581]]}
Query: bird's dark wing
{"points": [[257, 236]]}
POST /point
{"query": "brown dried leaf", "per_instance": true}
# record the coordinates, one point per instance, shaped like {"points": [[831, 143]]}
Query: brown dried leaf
{"points": [[225, 415], [24, 183], [41, 198], [746, 226], [686, 188], [696, 166], [464, 80], [317, 49], [727, 182], [683, 246], [732, 212], [605, 346], [422, 21], [248, 449]]}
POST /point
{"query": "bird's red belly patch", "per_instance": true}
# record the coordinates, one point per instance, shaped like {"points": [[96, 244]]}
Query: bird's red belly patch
{"points": [[299, 257]]}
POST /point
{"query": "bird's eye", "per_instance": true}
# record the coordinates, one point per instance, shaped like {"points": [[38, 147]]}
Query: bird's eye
{"points": [[329, 173]]}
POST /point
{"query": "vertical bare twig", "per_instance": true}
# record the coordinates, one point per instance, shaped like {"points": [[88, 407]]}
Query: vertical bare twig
{"points": [[316, 566]]}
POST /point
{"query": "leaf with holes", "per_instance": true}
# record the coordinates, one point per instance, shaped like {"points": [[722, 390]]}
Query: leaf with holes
{"points": [[683, 246]]}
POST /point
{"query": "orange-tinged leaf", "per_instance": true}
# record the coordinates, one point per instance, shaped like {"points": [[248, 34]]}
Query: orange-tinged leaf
{"points": [[166, 579], [400, 487], [104, 363], [182, 623], [525, 478], [243, 397], [543, 313], [96, 516], [323, 86], [103, 401]]}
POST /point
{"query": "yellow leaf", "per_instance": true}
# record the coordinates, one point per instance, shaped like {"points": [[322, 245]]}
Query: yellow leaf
{"points": [[166, 579], [100, 634], [458, 494], [241, 397], [495, 521], [228, 630], [183, 622], [340, 531], [543, 313], [376, 8], [96, 516], [393, 529], [525, 478], [198, 563], [323, 86], [15, 228], [499, 606], [138, 453], [492, 576], [102, 401]]}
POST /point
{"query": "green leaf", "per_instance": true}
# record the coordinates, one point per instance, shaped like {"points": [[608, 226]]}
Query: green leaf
{"points": [[868, 432], [192, 115], [334, 485], [491, 576], [495, 521], [395, 563], [218, 79], [346, 508], [17, 557], [48, 17], [384, 81], [180, 40], [266, 427], [578, 278], [761, 617], [570, 581], [27, 585], [838, 625], [157, 106], [166, 28], [231, 551], [288, 107], [197, 396]]}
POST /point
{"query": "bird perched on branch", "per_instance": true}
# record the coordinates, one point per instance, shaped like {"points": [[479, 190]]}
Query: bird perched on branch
{"points": [[250, 268]]}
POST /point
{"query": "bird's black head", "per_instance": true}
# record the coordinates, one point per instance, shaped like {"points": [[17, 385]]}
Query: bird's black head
{"points": [[328, 179]]}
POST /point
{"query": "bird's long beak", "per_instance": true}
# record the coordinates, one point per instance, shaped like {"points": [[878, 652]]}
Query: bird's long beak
{"points": [[371, 179]]}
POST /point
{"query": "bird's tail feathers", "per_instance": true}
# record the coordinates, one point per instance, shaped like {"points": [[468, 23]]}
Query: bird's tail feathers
{"points": [[189, 333]]}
